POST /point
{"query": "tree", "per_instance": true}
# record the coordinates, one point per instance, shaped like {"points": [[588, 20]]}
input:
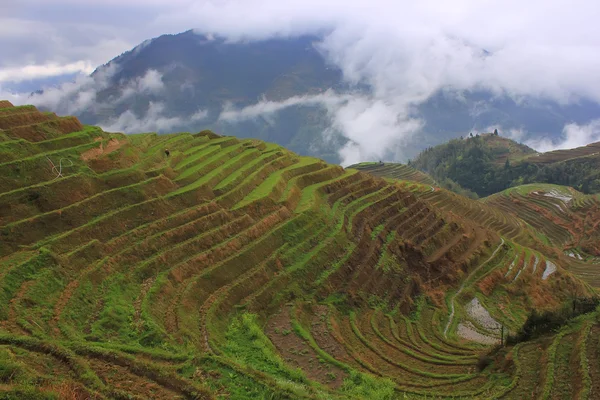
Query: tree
{"points": [[507, 164], [471, 134], [495, 132]]}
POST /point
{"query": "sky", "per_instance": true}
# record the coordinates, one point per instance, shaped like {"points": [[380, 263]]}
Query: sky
{"points": [[406, 50]]}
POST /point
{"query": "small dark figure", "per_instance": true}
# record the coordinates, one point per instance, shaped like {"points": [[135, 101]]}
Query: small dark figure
{"points": [[167, 152]]}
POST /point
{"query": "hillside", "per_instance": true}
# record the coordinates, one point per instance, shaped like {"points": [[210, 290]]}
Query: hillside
{"points": [[193, 73], [488, 164], [394, 171], [569, 219], [234, 268]]}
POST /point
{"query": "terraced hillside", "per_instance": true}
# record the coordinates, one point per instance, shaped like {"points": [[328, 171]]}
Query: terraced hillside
{"points": [[562, 217], [200, 266], [553, 219], [591, 150], [395, 171]]}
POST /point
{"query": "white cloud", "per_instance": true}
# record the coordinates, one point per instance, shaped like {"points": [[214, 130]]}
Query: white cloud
{"points": [[374, 128], [73, 97], [151, 82], [14, 98], [81, 96], [199, 115], [267, 107], [154, 120], [404, 50], [574, 135], [30, 72]]}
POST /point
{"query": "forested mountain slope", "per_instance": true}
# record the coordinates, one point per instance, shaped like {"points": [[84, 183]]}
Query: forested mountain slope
{"points": [[488, 163]]}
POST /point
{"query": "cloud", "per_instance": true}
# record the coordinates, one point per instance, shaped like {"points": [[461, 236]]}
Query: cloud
{"points": [[151, 83], [73, 97], [30, 72], [574, 135], [374, 128], [405, 51], [81, 96], [267, 107], [154, 120]]}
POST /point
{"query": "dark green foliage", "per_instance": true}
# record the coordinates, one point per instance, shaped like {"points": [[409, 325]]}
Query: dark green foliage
{"points": [[488, 164], [483, 362], [541, 323], [27, 393], [449, 184], [468, 163]]}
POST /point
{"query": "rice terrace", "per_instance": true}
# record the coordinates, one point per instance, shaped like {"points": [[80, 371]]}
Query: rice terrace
{"points": [[201, 266]]}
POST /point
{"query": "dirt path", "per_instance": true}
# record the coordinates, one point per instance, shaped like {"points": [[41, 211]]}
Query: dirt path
{"points": [[92, 154], [11, 322], [460, 289]]}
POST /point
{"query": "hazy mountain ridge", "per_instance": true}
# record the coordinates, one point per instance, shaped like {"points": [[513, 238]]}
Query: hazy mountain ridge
{"points": [[190, 81]]}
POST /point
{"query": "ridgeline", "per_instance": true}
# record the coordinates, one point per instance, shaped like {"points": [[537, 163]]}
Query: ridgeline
{"points": [[488, 163]]}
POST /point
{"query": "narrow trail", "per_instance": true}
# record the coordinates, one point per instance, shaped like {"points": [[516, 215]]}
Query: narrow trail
{"points": [[451, 317]]}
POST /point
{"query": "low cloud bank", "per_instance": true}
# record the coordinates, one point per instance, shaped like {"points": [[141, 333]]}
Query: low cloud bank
{"points": [[404, 51], [573, 136], [364, 120], [81, 96]]}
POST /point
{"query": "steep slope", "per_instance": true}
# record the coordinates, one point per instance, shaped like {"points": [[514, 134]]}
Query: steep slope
{"points": [[395, 171], [192, 73], [562, 216], [203, 266], [592, 149]]}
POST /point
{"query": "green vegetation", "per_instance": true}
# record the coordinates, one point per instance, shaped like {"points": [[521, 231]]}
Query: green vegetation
{"points": [[237, 269], [544, 323], [487, 164]]}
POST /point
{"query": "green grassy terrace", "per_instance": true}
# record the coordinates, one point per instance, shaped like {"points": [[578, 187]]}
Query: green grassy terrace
{"points": [[236, 269]]}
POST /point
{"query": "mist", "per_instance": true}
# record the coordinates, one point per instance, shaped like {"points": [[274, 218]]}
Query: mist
{"points": [[404, 52]]}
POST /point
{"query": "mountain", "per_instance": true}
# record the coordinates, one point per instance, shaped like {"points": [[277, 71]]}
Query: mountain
{"points": [[211, 74], [489, 163], [189, 82], [202, 266]]}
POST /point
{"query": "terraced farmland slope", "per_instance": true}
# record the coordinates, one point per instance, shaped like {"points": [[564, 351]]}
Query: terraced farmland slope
{"points": [[563, 218], [395, 171], [229, 268], [590, 150]]}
